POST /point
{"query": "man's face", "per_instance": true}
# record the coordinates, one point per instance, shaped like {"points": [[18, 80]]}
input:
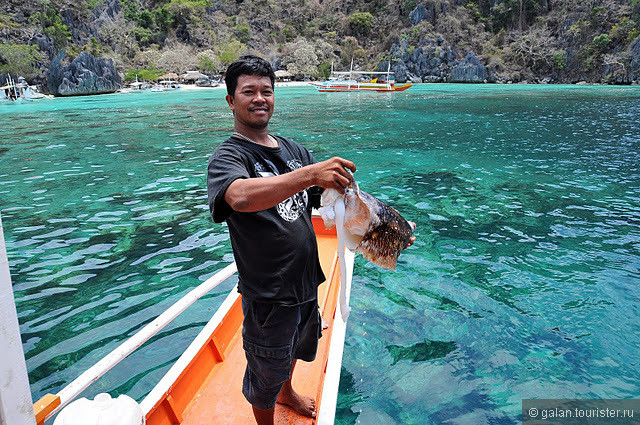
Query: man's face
{"points": [[253, 101]]}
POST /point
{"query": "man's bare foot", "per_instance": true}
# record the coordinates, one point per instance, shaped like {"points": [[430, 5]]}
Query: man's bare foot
{"points": [[306, 406]]}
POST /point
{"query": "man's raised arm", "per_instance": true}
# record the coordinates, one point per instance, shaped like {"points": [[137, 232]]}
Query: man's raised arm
{"points": [[257, 194]]}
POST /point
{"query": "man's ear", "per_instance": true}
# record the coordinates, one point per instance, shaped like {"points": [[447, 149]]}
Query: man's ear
{"points": [[230, 102]]}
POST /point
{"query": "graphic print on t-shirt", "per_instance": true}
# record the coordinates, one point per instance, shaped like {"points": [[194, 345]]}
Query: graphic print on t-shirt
{"points": [[263, 172], [289, 209]]}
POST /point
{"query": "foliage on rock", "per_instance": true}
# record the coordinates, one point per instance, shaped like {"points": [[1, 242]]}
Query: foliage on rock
{"points": [[19, 59], [516, 40]]}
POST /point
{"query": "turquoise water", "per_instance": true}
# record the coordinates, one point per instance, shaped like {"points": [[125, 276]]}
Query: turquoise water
{"points": [[523, 282]]}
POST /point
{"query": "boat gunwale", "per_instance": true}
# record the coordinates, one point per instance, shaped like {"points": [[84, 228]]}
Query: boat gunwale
{"points": [[72, 390], [159, 405], [163, 388], [50, 404]]}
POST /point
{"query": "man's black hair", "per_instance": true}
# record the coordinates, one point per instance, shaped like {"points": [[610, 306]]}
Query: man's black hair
{"points": [[247, 65]]}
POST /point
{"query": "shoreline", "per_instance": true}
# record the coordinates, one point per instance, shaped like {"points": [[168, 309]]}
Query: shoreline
{"points": [[307, 83], [224, 86], [279, 84]]}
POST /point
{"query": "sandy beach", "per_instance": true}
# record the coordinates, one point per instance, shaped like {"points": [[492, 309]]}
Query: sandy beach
{"points": [[291, 83], [223, 86]]}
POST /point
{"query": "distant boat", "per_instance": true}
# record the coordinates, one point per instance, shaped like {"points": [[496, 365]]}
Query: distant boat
{"points": [[165, 85], [20, 91], [135, 87], [347, 81]]}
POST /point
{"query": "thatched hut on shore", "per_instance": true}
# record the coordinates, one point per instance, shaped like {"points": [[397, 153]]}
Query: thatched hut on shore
{"points": [[282, 75], [193, 76], [169, 76]]}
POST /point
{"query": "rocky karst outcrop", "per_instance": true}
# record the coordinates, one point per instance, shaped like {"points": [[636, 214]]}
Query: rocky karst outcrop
{"points": [[469, 70], [433, 62], [427, 13], [107, 12], [85, 75], [430, 62], [634, 65], [435, 40]]}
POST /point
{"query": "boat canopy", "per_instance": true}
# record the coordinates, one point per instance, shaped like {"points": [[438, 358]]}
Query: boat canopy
{"points": [[363, 72]]}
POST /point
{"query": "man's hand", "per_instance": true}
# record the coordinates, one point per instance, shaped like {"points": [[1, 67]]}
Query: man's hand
{"points": [[257, 194], [332, 173]]}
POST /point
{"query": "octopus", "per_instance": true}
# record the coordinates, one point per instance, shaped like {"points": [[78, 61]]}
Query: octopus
{"points": [[366, 225]]}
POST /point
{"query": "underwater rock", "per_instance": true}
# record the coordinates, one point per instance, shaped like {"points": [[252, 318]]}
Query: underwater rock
{"points": [[422, 351]]}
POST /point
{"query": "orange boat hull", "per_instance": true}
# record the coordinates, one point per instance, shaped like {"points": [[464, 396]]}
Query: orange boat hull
{"points": [[339, 88], [209, 390]]}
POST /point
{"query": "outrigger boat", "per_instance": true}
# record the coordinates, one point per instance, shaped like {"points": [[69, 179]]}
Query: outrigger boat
{"points": [[135, 86], [20, 91], [165, 85], [204, 385], [347, 81]]}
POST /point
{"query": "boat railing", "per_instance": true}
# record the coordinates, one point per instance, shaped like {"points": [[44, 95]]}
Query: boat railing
{"points": [[210, 336], [15, 395], [45, 409], [16, 392]]}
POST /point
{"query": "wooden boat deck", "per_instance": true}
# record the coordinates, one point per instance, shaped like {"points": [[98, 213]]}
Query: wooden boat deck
{"points": [[222, 401], [209, 390]]}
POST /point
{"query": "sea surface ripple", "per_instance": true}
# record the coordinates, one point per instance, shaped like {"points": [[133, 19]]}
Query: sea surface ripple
{"points": [[523, 282]]}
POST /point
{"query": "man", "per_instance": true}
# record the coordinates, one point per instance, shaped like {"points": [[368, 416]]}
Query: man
{"points": [[264, 187]]}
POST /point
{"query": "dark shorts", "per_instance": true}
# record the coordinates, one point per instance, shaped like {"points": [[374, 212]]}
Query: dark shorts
{"points": [[272, 336]]}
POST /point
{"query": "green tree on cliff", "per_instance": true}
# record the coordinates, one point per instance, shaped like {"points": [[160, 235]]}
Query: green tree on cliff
{"points": [[19, 59]]}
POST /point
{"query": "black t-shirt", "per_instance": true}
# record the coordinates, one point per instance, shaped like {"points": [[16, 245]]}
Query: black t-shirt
{"points": [[275, 249]]}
